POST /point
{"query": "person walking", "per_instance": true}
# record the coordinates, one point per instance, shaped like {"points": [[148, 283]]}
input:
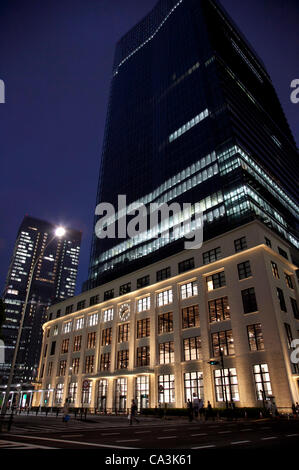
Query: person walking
{"points": [[195, 405], [209, 412], [65, 412], [190, 409], [133, 411]]}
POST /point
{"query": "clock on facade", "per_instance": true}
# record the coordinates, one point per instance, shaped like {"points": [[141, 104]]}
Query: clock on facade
{"points": [[124, 312]]}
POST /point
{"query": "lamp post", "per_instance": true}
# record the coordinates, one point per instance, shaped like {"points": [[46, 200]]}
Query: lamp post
{"points": [[59, 232]]}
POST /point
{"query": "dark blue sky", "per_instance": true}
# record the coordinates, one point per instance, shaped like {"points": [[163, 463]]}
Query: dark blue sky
{"points": [[56, 59]]}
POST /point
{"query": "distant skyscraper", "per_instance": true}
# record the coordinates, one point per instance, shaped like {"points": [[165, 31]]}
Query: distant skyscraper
{"points": [[193, 117], [54, 279]]}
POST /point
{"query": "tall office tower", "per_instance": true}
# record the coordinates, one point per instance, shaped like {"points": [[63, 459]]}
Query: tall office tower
{"points": [[54, 262], [192, 117]]}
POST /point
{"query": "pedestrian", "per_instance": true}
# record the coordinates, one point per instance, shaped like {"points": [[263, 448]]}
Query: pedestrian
{"points": [[201, 409], [209, 411], [132, 414], [65, 412], [190, 409], [294, 411], [195, 405]]}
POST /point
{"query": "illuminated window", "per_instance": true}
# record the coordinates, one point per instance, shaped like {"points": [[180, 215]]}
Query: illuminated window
{"points": [[106, 336], [226, 385], [123, 332], [223, 343], [123, 359], [108, 314], [193, 385], [166, 352], [143, 328], [164, 298], [79, 324], [143, 356], [93, 319], [105, 362], [255, 337], [189, 290], [144, 304], [91, 340], [219, 310], [192, 348], [274, 268], [67, 327], [262, 381], [215, 281], [77, 343], [65, 346], [166, 388], [190, 317], [165, 323]]}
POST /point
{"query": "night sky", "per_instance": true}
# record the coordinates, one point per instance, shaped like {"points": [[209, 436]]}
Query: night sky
{"points": [[56, 60]]}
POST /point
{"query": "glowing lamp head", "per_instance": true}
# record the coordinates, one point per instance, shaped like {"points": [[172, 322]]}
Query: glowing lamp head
{"points": [[60, 231]]}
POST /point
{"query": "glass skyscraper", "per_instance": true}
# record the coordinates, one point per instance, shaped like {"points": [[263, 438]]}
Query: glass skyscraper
{"points": [[54, 279], [192, 117]]}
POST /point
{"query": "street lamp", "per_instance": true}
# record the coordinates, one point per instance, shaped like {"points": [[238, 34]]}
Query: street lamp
{"points": [[59, 232]]}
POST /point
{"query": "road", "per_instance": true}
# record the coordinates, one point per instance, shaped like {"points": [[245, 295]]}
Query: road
{"points": [[30, 432]]}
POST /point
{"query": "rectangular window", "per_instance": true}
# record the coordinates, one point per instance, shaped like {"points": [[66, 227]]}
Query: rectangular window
{"points": [[211, 255], [281, 300], [91, 340], [62, 368], [219, 310], [189, 290], [75, 365], [88, 366], [295, 308], [93, 319], [244, 270], [105, 362], [262, 381], [282, 253], [190, 317], [274, 268], [193, 385], [163, 274], [226, 385], [255, 337], [125, 288], [45, 350], [123, 332], [192, 348], [240, 244], [186, 265], [81, 305], [268, 242], [108, 314], [249, 300], [86, 394], [223, 343], [106, 336], [53, 346], [143, 282], [166, 388], [288, 335], [59, 393], [166, 352], [123, 359], [58, 313], [50, 367], [79, 323], [109, 294], [143, 356], [55, 330], [144, 304], [67, 327], [289, 280], [143, 328], [94, 300], [72, 392], [77, 343], [165, 323], [68, 309], [65, 346], [164, 298], [215, 281]]}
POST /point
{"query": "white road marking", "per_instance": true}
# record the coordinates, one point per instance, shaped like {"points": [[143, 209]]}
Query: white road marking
{"points": [[292, 435], [110, 433], [267, 438], [72, 442], [201, 434], [224, 432], [142, 432], [167, 437], [239, 442], [129, 440], [247, 429], [203, 447]]}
